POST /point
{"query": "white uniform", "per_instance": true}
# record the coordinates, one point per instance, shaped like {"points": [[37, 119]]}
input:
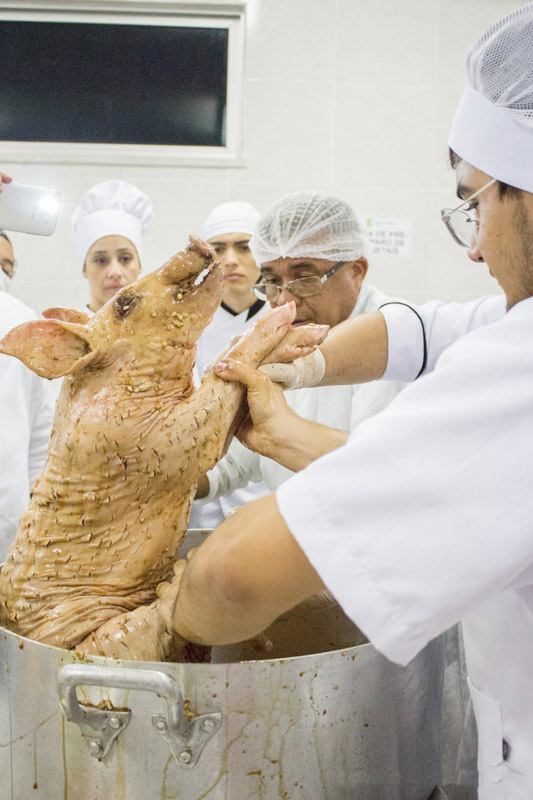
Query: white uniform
{"points": [[341, 407], [26, 414], [428, 510], [225, 325]]}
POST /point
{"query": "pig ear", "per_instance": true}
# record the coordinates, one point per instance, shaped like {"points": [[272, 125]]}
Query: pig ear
{"points": [[49, 347], [67, 315]]}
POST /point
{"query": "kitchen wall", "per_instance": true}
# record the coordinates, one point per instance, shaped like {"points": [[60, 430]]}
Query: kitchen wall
{"points": [[355, 97]]}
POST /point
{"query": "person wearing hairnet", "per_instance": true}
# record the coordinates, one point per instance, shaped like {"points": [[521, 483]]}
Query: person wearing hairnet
{"points": [[424, 517], [107, 228], [312, 250], [26, 409], [228, 229]]}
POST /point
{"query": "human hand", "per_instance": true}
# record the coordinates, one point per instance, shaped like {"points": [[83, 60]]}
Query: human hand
{"points": [[167, 592], [297, 343], [223, 353], [4, 179], [302, 373], [268, 413]]}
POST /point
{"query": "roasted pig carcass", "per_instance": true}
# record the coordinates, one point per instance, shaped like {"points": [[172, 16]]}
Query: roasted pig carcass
{"points": [[131, 437]]}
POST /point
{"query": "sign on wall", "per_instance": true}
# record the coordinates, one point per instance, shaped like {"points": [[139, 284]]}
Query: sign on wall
{"points": [[388, 236]]}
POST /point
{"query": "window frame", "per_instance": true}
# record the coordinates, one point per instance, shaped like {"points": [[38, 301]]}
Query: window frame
{"points": [[193, 13]]}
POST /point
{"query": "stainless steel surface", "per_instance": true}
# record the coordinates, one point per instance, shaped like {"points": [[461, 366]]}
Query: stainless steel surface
{"points": [[339, 724], [454, 792], [101, 727]]}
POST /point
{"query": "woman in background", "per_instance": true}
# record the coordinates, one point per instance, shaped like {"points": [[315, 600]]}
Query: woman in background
{"points": [[107, 227]]}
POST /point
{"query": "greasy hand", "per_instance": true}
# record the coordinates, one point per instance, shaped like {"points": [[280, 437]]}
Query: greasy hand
{"points": [[268, 413], [302, 373], [297, 343], [168, 593], [223, 353]]}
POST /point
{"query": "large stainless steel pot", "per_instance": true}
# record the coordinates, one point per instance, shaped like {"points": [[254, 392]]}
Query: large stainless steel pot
{"points": [[334, 725]]}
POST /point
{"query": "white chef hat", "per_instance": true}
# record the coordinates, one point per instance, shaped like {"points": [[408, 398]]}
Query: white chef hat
{"points": [[233, 217], [112, 208], [309, 225], [493, 126]]}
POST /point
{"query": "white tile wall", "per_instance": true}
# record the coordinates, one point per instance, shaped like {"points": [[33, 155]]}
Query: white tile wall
{"points": [[291, 39], [350, 96], [387, 42], [383, 135]]}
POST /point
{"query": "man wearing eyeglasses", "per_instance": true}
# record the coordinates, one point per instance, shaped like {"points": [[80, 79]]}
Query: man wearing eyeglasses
{"points": [[424, 517], [311, 249]]}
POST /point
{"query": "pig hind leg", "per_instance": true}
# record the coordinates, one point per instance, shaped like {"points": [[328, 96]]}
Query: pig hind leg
{"points": [[140, 635]]}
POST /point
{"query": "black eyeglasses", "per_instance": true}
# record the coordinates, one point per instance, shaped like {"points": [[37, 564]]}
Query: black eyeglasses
{"points": [[300, 287]]}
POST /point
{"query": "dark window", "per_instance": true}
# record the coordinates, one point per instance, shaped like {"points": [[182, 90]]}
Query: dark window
{"points": [[113, 84]]}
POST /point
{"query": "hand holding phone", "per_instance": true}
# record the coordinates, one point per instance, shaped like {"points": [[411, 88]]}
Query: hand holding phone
{"points": [[4, 179], [28, 209]]}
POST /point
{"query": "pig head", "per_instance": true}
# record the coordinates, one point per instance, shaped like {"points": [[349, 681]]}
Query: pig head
{"points": [[131, 438]]}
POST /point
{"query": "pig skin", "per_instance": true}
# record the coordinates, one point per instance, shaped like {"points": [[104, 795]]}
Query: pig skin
{"points": [[131, 438]]}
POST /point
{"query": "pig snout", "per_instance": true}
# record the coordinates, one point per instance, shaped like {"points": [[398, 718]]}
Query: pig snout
{"points": [[202, 248], [186, 266]]}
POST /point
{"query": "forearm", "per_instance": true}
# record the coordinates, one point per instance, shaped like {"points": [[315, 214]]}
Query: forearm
{"points": [[202, 488], [209, 417], [234, 471], [356, 350], [296, 442], [248, 572]]}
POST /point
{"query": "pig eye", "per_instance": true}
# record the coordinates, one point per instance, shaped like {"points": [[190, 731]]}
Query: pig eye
{"points": [[125, 303]]}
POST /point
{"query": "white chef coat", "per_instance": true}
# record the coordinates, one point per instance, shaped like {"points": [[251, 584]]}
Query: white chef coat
{"points": [[26, 414], [341, 407], [225, 325], [428, 509]]}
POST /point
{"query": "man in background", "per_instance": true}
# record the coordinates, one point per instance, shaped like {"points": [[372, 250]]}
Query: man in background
{"points": [[228, 229]]}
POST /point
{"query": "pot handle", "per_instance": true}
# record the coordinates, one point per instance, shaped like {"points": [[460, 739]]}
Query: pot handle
{"points": [[186, 735]]}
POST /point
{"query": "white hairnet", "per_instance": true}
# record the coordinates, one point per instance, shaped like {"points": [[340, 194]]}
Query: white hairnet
{"points": [[493, 127], [309, 225], [234, 217], [112, 208]]}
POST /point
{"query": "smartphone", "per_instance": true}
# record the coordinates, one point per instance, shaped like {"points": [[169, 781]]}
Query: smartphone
{"points": [[28, 209]]}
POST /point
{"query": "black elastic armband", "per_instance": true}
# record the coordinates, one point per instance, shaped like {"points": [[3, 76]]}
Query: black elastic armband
{"points": [[425, 356]]}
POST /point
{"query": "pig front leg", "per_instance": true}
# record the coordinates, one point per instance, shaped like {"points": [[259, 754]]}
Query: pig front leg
{"points": [[270, 339], [141, 635], [210, 415]]}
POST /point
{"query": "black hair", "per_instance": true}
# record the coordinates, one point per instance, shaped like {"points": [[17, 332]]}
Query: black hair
{"points": [[504, 189], [6, 237]]}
